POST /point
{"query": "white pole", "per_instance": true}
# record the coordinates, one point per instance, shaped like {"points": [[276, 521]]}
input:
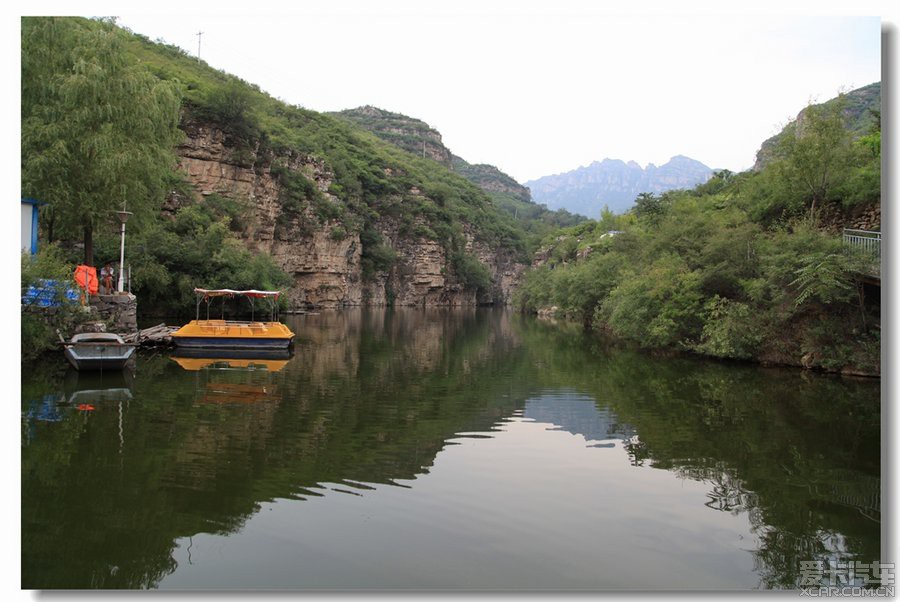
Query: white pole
{"points": [[122, 262]]}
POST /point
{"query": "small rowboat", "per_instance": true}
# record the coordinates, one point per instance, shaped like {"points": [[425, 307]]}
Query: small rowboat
{"points": [[98, 351]]}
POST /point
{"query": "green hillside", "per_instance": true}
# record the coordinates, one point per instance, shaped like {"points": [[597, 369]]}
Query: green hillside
{"points": [[861, 110], [418, 138], [177, 242], [372, 177], [746, 266]]}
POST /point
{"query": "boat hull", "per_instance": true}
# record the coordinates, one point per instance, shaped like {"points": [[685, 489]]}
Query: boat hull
{"points": [[224, 343], [92, 358], [244, 336]]}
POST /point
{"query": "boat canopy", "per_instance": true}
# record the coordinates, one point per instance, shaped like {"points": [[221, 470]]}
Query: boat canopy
{"points": [[227, 292], [207, 294]]}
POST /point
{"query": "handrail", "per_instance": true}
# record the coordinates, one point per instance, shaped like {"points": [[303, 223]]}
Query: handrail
{"points": [[868, 241]]}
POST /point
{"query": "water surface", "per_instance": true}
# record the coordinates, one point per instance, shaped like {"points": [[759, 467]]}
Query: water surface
{"points": [[444, 449]]}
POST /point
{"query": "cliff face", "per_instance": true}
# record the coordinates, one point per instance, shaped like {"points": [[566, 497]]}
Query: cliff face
{"points": [[412, 135], [417, 137], [324, 259]]}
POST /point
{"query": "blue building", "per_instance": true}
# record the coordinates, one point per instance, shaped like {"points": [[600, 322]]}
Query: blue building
{"points": [[30, 225]]}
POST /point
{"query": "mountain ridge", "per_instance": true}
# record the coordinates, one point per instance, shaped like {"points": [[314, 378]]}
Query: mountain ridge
{"points": [[615, 183]]}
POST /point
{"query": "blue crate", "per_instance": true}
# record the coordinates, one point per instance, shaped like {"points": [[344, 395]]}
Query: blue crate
{"points": [[46, 293]]}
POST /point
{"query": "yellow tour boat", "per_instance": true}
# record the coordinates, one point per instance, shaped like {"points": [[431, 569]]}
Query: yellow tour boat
{"points": [[230, 334]]}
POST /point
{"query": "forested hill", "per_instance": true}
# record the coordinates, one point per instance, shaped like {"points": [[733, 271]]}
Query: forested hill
{"points": [[417, 137], [861, 109], [323, 206], [744, 266]]}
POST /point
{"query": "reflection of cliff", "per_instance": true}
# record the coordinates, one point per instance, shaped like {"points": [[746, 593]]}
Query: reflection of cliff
{"points": [[241, 399], [577, 414], [369, 396], [373, 396]]}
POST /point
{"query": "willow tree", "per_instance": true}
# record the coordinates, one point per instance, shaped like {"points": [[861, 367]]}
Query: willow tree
{"points": [[98, 131]]}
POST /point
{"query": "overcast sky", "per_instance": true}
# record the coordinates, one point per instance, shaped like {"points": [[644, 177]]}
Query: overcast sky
{"points": [[538, 90]]}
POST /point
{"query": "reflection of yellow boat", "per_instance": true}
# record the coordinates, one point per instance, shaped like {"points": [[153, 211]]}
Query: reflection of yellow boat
{"points": [[234, 380], [199, 363], [227, 334]]}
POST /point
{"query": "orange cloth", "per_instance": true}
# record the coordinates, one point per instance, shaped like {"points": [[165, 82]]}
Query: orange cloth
{"points": [[86, 277]]}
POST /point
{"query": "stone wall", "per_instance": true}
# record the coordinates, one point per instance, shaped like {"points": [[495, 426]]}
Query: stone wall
{"points": [[118, 311]]}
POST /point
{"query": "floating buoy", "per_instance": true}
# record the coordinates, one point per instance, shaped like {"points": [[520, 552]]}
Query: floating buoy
{"points": [[85, 407]]}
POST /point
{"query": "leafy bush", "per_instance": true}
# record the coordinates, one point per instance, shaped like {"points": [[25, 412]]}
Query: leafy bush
{"points": [[731, 330], [661, 307], [198, 248], [38, 327], [471, 273]]}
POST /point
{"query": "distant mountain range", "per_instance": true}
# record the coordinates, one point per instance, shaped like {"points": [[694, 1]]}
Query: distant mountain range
{"points": [[614, 183]]}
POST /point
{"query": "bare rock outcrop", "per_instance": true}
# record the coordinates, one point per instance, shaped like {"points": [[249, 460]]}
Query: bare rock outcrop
{"points": [[324, 258]]}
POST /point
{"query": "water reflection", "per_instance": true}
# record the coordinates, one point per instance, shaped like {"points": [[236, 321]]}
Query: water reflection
{"points": [[234, 380], [397, 431], [579, 415]]}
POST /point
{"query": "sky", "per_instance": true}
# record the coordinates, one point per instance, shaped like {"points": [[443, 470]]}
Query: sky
{"points": [[543, 88]]}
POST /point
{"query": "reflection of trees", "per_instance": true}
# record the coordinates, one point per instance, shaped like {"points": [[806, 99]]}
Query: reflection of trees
{"points": [[799, 453], [371, 397], [362, 400]]}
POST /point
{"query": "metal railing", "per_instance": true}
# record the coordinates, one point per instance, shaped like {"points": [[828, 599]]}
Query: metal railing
{"points": [[865, 240]]}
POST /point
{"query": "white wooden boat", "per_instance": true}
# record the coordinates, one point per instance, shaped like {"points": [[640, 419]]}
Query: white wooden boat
{"points": [[98, 351]]}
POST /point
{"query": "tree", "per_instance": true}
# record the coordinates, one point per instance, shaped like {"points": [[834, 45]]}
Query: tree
{"points": [[648, 205], [97, 131], [815, 153]]}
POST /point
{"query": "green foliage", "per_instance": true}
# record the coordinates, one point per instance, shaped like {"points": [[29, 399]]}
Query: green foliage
{"points": [[49, 263], [471, 273], [825, 278], [198, 248], [648, 206], [660, 307], [97, 130], [376, 256], [232, 105], [736, 268], [38, 327], [731, 330], [813, 157]]}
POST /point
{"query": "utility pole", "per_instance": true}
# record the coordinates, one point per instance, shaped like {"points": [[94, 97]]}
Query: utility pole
{"points": [[199, 33], [123, 217]]}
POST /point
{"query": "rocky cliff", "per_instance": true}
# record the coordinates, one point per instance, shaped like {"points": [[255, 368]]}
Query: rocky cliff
{"points": [[410, 134], [417, 137], [323, 255]]}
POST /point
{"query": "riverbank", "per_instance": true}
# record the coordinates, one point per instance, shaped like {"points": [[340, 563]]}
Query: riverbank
{"points": [[774, 354]]}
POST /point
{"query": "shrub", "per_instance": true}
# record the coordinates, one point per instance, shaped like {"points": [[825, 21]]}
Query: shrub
{"points": [[730, 329], [472, 274], [659, 307]]}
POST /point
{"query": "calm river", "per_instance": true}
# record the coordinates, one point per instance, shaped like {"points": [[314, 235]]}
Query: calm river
{"points": [[444, 449]]}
